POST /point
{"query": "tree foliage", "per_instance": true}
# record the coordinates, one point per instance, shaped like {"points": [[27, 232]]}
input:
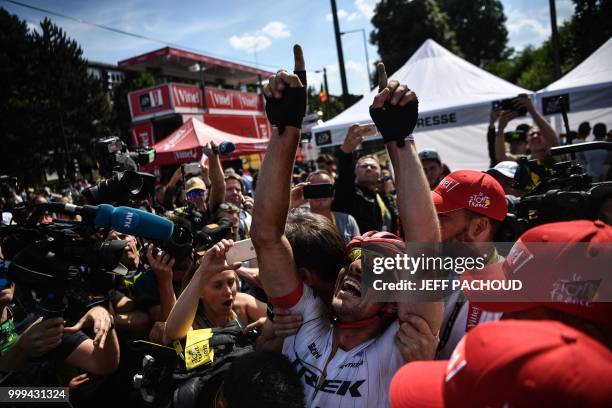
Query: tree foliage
{"points": [[475, 30], [50, 107], [533, 68], [401, 26], [479, 27]]}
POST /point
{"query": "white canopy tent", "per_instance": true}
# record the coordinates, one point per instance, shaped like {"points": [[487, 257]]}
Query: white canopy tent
{"points": [[454, 105], [589, 90]]}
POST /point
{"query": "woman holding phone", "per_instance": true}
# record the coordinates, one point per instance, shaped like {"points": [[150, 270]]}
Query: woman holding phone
{"points": [[210, 299]]}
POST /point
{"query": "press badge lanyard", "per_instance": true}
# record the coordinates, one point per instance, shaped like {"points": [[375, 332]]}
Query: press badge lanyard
{"points": [[472, 320]]}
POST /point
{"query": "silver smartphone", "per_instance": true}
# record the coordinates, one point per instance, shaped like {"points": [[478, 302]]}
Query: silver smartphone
{"points": [[194, 168], [240, 252]]}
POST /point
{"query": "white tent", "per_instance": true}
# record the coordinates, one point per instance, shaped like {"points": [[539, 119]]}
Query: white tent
{"points": [[589, 90], [454, 104]]}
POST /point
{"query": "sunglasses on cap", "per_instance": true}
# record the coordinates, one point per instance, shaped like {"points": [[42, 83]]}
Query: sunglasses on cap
{"points": [[228, 207], [196, 193]]}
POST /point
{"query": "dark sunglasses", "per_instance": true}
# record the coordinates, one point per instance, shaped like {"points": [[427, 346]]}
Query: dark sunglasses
{"points": [[196, 193]]}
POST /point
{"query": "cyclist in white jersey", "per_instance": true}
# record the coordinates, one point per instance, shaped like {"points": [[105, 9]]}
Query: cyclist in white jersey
{"points": [[348, 360]]}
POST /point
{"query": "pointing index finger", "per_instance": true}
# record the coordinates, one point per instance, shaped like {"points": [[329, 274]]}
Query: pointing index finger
{"points": [[382, 76], [298, 58]]}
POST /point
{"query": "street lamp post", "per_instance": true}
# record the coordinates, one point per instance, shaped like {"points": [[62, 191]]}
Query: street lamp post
{"points": [[555, 37], [345, 94], [365, 47]]}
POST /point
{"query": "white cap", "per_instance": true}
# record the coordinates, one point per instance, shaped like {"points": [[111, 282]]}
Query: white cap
{"points": [[505, 168]]}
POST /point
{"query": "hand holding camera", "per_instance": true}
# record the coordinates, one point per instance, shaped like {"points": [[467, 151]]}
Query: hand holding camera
{"points": [[395, 109], [286, 96], [505, 118], [161, 263]]}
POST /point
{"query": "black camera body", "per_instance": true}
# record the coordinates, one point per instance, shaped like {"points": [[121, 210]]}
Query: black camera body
{"points": [[111, 152], [564, 192], [123, 182], [64, 266], [508, 105]]}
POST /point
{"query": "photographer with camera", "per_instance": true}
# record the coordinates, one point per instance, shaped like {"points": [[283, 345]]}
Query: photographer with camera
{"points": [[235, 194], [540, 137], [200, 206], [516, 139], [159, 283]]}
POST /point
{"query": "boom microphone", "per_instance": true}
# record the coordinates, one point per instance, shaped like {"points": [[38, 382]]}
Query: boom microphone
{"points": [[133, 221], [126, 220]]}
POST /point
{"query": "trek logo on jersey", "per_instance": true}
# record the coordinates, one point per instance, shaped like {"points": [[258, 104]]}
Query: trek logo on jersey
{"points": [[479, 201], [338, 387], [352, 365], [313, 350]]}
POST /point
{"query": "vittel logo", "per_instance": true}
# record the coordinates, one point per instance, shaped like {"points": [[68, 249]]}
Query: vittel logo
{"points": [[188, 96], [186, 154], [248, 101], [222, 99]]}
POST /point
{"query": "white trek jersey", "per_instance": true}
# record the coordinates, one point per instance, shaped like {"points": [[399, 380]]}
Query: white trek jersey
{"points": [[356, 378]]}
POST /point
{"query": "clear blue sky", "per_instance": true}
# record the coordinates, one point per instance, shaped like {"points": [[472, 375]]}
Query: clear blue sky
{"points": [[258, 31]]}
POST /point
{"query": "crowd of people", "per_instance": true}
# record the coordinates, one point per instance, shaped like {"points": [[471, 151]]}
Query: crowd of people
{"points": [[317, 339]]}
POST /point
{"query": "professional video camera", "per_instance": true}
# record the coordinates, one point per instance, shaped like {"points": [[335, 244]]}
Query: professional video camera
{"points": [[564, 192], [120, 168], [111, 153], [67, 266]]}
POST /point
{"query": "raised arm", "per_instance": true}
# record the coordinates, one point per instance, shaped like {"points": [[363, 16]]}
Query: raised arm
{"points": [[162, 265], [495, 113], [548, 133], [500, 146], [395, 112], [217, 181], [171, 188], [345, 183], [285, 107]]}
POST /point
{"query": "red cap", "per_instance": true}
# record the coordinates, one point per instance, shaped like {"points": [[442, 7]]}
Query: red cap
{"points": [[471, 190], [511, 363], [544, 269], [388, 238]]}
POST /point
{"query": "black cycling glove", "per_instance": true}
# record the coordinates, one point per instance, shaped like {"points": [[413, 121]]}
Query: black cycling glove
{"points": [[289, 110], [395, 122]]}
